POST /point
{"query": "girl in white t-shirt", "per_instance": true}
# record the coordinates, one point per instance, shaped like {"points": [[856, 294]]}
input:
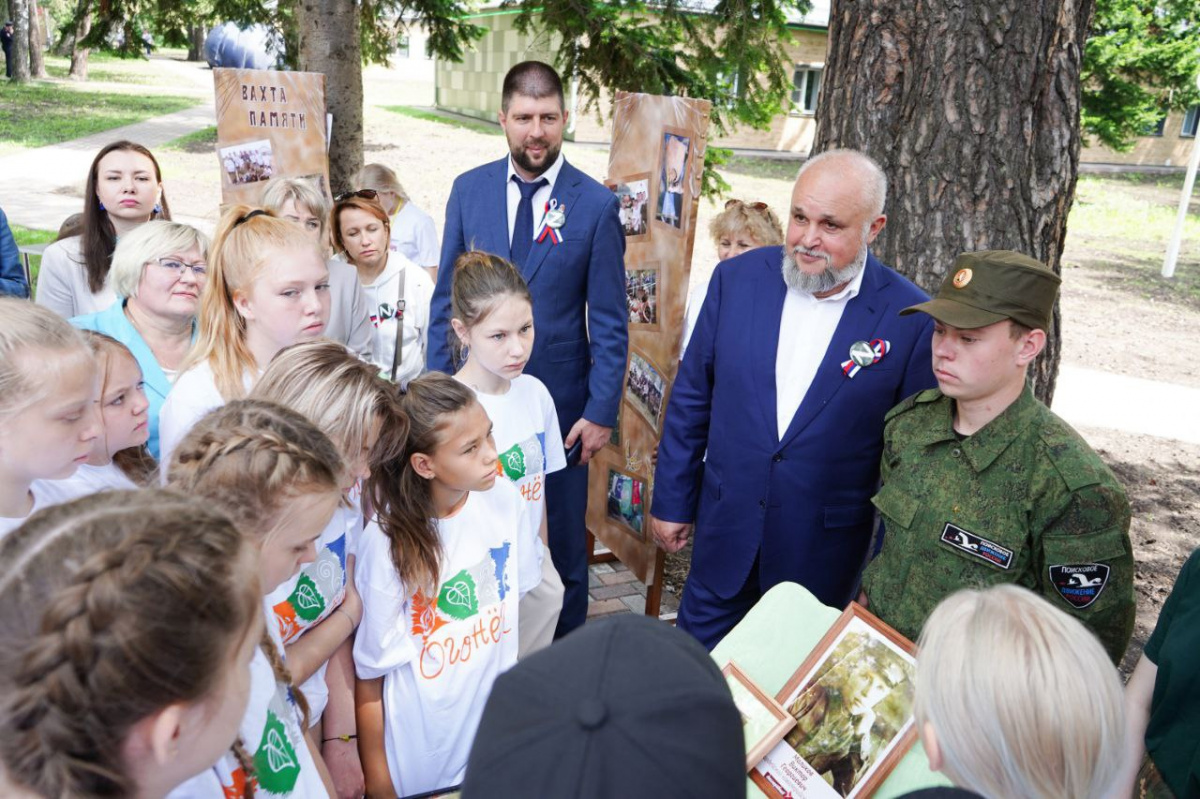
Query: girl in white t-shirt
{"points": [[49, 385], [360, 412], [440, 572], [493, 322], [120, 460], [127, 624], [268, 288], [280, 480]]}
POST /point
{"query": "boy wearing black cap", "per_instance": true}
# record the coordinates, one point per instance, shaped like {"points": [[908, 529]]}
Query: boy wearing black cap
{"points": [[982, 483]]}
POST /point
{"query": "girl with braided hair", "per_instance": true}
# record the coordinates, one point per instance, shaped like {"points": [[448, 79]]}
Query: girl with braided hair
{"points": [[360, 412], [441, 571], [127, 625], [280, 480], [49, 385], [268, 288]]}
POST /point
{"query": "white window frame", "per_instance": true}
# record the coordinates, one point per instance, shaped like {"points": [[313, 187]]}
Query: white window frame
{"points": [[800, 87], [1190, 115]]}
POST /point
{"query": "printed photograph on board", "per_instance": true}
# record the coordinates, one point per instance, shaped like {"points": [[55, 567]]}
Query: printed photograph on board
{"points": [[641, 295], [249, 162], [672, 179], [645, 387], [764, 721], [626, 502], [633, 204]]}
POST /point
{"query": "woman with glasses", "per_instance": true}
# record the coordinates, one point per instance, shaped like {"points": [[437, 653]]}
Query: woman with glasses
{"points": [[399, 291], [739, 228], [158, 273], [124, 190], [300, 201]]}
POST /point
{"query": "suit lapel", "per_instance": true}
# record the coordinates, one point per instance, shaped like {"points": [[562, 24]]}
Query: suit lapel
{"points": [[566, 192], [495, 195], [858, 323], [768, 310]]}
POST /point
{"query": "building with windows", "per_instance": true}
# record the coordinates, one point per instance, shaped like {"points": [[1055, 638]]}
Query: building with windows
{"points": [[472, 88]]}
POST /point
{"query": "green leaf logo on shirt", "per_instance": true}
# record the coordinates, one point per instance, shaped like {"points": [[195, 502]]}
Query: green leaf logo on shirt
{"points": [[275, 763], [513, 462], [307, 599], [458, 598]]}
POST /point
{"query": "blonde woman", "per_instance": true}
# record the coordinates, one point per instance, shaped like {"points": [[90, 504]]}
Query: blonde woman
{"points": [[413, 234], [299, 201], [268, 289], [1017, 700]]}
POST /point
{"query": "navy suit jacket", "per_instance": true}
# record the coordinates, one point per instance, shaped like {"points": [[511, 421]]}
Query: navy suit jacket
{"points": [[586, 271], [804, 503]]}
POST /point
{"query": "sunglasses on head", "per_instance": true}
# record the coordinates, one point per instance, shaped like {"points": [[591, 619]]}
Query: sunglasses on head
{"points": [[366, 194], [756, 206]]}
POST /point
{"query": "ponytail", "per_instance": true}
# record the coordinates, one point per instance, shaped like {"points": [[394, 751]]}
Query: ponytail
{"points": [[480, 280]]}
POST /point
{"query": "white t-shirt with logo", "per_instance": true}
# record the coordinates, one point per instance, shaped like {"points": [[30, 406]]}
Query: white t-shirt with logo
{"points": [[438, 656], [382, 295], [86, 481]]}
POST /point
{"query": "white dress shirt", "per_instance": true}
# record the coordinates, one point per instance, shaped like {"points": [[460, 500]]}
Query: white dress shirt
{"points": [[540, 197], [805, 329]]}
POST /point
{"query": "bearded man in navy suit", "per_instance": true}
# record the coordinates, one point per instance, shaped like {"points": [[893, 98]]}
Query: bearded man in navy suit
{"points": [[562, 229], [774, 429]]}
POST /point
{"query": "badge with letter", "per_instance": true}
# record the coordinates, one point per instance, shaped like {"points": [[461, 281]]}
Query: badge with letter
{"points": [[863, 354], [552, 222]]}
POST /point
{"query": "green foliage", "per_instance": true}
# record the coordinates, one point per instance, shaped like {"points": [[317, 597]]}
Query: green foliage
{"points": [[731, 53], [1140, 61], [23, 236], [199, 141]]}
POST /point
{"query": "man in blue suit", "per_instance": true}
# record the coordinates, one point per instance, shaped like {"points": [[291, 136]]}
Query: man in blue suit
{"points": [[562, 230], [797, 355]]}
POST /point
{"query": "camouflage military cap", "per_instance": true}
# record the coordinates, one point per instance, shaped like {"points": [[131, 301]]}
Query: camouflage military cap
{"points": [[993, 285]]}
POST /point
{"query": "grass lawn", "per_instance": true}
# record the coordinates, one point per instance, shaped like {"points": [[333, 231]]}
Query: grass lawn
{"points": [[202, 141], [457, 122], [108, 68], [24, 236], [38, 114]]}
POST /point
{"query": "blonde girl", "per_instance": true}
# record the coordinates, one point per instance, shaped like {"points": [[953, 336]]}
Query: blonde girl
{"points": [[440, 572], [268, 288], [493, 324], [280, 480], [127, 625], [413, 234], [49, 386], [360, 412]]}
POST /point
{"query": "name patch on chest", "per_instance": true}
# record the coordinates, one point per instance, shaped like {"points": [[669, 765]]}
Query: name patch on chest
{"points": [[985, 550], [1079, 584]]}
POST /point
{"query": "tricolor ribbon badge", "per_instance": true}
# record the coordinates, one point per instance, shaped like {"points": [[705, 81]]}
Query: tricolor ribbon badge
{"points": [[554, 217], [555, 236], [864, 354]]}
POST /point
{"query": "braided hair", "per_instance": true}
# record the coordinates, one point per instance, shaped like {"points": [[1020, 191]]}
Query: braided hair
{"points": [[112, 608], [252, 458]]}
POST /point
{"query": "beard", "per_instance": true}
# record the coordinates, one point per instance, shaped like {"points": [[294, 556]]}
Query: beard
{"points": [[828, 278], [521, 156]]}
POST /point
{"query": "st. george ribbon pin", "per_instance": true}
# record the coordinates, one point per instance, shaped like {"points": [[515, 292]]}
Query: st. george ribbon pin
{"points": [[555, 218], [864, 354]]}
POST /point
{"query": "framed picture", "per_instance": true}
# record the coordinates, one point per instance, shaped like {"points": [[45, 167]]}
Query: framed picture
{"points": [[671, 190], [764, 721], [614, 438], [248, 163], [852, 700], [645, 387], [627, 502], [641, 296], [633, 205]]}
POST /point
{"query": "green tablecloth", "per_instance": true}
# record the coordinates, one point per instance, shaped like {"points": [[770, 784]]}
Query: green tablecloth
{"points": [[771, 643]]}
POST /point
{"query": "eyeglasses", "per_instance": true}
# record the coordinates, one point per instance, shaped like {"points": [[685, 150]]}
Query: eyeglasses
{"points": [[366, 194], [177, 266], [756, 206]]}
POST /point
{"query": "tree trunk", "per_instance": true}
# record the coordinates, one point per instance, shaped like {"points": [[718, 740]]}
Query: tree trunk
{"points": [[329, 43], [196, 36], [79, 55], [972, 109], [20, 42], [37, 44]]}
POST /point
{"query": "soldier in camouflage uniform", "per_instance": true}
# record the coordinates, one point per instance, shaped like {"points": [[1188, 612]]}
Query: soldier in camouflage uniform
{"points": [[982, 483]]}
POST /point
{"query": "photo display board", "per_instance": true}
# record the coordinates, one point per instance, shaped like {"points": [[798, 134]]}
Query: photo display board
{"points": [[655, 167], [269, 124]]}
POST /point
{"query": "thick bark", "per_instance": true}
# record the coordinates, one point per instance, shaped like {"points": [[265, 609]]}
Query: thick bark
{"points": [[329, 42], [973, 111], [37, 43], [20, 42], [196, 37], [79, 55]]}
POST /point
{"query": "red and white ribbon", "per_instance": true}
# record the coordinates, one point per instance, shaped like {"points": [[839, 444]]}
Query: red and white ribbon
{"points": [[881, 348]]}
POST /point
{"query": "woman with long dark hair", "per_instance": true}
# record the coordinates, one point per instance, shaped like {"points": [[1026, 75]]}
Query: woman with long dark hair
{"points": [[124, 189]]}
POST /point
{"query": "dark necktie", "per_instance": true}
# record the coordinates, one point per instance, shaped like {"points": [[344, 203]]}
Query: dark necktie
{"points": [[522, 236]]}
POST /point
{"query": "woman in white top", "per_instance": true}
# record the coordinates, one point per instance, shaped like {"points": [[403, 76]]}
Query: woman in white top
{"points": [[49, 386], [299, 201], [360, 232], [413, 233], [268, 288], [159, 271], [124, 189]]}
